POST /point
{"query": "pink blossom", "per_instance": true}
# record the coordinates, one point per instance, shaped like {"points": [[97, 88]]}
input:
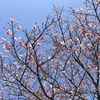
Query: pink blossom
{"points": [[89, 11], [1, 42], [21, 43], [95, 3], [55, 34], [15, 38], [83, 49], [83, 39], [74, 9], [45, 48], [5, 30], [19, 38], [81, 45], [82, 16], [51, 29], [35, 37], [74, 47], [63, 43], [17, 66], [4, 46], [34, 27], [90, 25], [66, 20], [3, 38], [81, 9], [16, 27], [6, 56], [12, 20], [6, 51], [17, 30], [19, 26], [54, 47], [49, 57], [7, 42], [38, 44], [5, 65], [62, 26], [15, 63], [77, 10], [1, 53], [8, 32], [94, 26], [20, 55]]}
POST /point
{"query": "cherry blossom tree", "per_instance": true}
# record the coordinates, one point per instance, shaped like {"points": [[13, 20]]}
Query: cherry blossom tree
{"points": [[60, 61]]}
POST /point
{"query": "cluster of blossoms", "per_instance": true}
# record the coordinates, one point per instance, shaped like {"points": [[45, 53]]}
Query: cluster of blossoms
{"points": [[74, 9], [8, 32]]}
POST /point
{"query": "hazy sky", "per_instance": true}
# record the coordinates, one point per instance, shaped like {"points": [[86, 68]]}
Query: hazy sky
{"points": [[27, 12]]}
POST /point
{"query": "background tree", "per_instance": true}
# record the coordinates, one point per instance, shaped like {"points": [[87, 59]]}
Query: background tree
{"points": [[59, 61]]}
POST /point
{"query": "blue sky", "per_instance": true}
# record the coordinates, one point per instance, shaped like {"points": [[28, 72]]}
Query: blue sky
{"points": [[27, 12]]}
